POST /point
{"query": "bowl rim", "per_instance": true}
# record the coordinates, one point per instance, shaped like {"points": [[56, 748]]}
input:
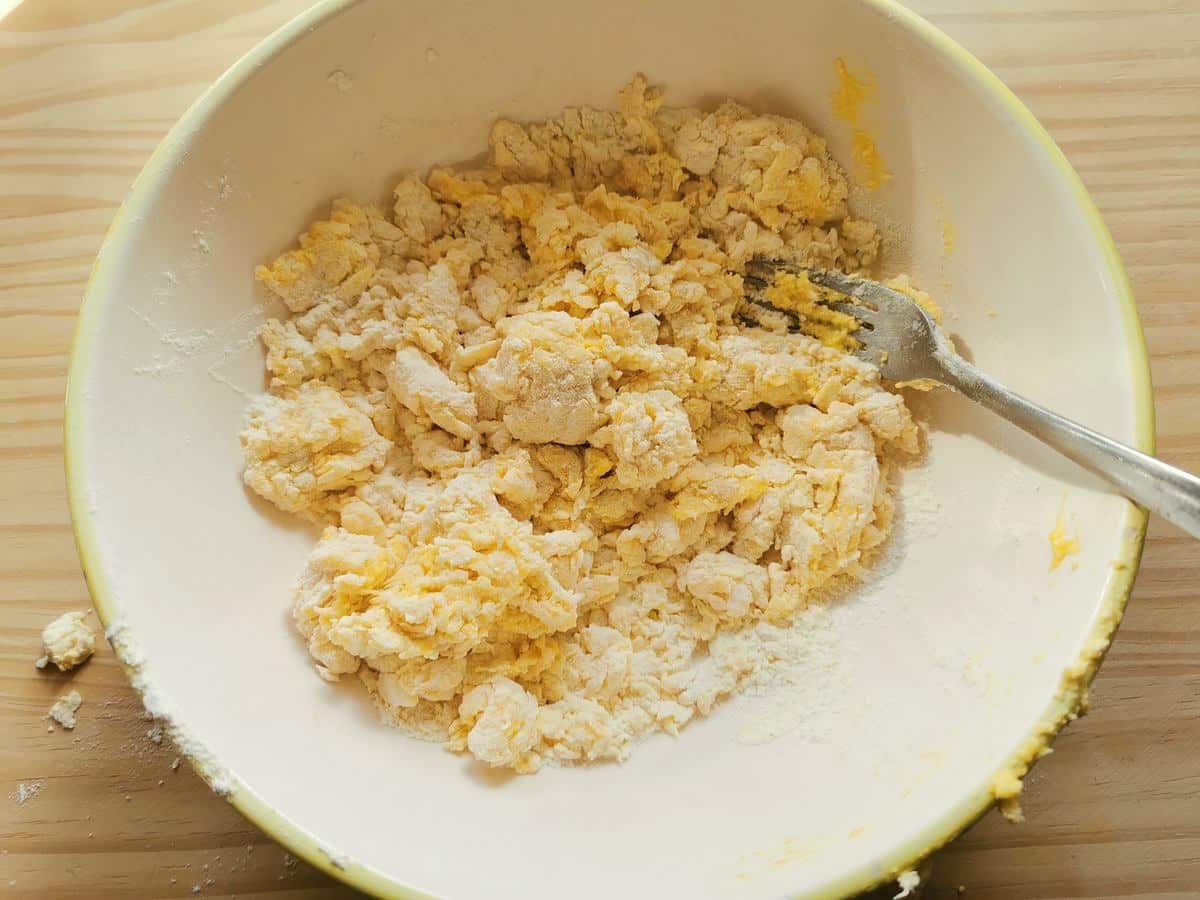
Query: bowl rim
{"points": [[906, 854]]}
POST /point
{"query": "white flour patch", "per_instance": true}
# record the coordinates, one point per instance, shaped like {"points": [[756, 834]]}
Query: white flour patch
{"points": [[213, 347], [918, 506], [159, 368], [27, 790], [789, 693], [158, 706]]}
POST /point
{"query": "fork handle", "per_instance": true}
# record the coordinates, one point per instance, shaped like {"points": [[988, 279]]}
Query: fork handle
{"points": [[1172, 493]]}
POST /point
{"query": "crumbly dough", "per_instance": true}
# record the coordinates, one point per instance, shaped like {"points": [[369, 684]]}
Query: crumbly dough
{"points": [[64, 709], [67, 642], [569, 495]]}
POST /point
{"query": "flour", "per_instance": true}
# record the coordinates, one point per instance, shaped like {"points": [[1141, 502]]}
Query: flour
{"points": [[157, 706], [188, 344], [790, 689], [211, 347], [182, 344], [27, 790], [920, 511], [908, 882], [159, 368], [243, 331]]}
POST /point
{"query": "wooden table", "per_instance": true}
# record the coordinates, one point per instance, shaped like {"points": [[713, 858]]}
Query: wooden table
{"points": [[88, 87]]}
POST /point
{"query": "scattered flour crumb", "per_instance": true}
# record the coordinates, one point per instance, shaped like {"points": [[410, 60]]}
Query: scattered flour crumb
{"points": [[340, 80], [175, 763], [201, 241], [64, 709], [907, 882], [158, 367], [157, 705], [67, 642], [27, 790], [155, 734], [188, 344], [237, 335]]}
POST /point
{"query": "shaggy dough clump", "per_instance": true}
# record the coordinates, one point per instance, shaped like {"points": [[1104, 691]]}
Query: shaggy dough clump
{"points": [[64, 709], [570, 496], [67, 642]]}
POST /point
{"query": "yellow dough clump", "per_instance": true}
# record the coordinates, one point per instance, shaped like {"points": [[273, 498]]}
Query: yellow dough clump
{"points": [[569, 496], [67, 642]]}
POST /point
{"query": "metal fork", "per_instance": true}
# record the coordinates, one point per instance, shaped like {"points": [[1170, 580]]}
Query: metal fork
{"points": [[900, 337]]}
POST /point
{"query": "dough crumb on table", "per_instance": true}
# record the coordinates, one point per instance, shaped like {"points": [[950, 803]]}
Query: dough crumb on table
{"points": [[569, 496], [67, 642], [64, 709], [907, 883]]}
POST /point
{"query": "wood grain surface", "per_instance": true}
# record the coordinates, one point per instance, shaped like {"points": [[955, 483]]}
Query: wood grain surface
{"points": [[88, 87]]}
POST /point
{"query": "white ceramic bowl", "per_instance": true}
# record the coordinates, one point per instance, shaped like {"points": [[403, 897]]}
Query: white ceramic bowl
{"points": [[948, 668]]}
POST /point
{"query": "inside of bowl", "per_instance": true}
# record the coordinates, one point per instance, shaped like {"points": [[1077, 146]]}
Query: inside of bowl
{"points": [[918, 686]]}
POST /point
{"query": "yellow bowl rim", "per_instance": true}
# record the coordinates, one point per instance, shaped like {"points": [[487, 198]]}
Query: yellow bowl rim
{"points": [[868, 874]]}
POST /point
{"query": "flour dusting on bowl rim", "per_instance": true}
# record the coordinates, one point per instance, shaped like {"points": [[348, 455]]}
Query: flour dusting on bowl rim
{"points": [[903, 857]]}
